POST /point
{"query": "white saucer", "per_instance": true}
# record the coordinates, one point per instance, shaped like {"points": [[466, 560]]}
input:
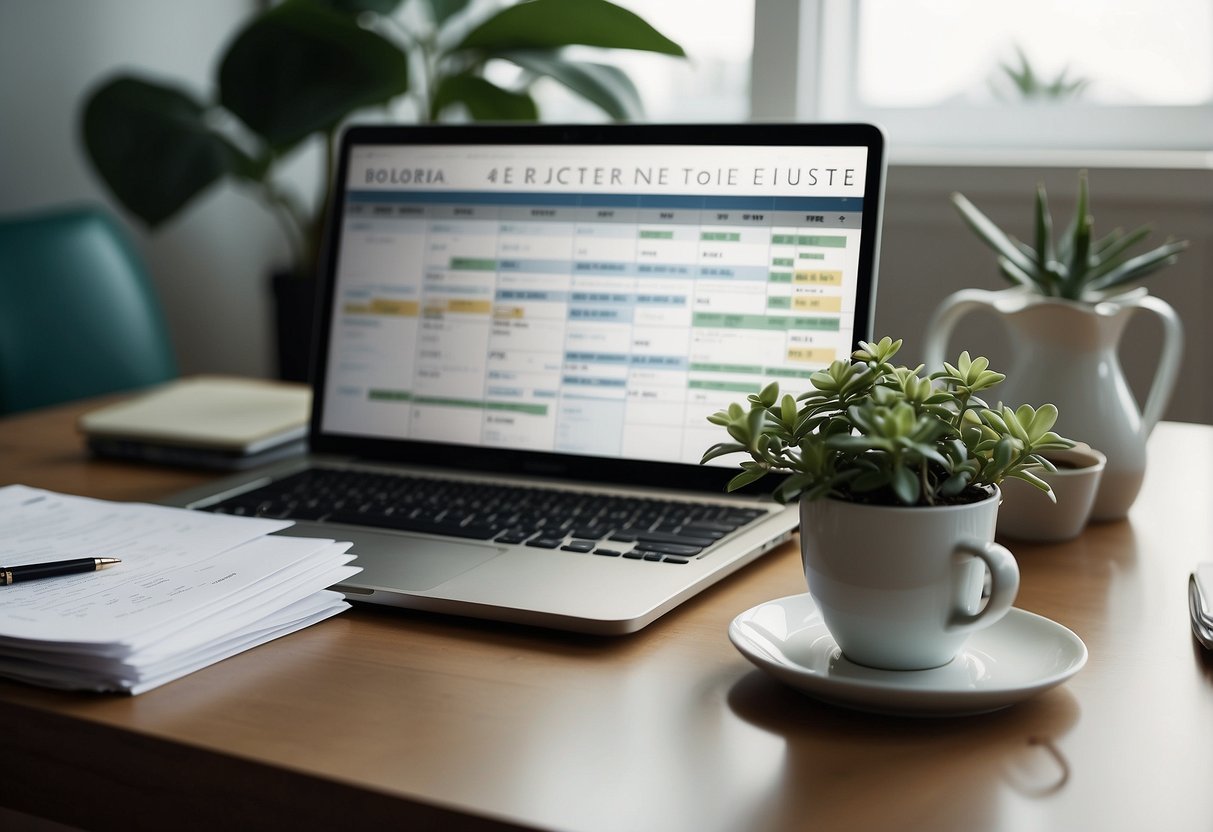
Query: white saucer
{"points": [[1015, 658]]}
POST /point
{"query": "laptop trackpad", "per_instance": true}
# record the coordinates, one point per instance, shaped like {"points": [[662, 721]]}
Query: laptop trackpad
{"points": [[398, 560]]}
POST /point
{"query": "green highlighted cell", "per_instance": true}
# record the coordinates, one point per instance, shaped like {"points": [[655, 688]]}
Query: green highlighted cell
{"points": [[473, 264], [518, 407], [783, 239], [441, 402], [721, 236], [779, 302], [783, 372], [783, 261], [727, 386], [389, 395], [811, 255], [744, 369], [781, 277], [822, 241], [656, 235], [764, 322], [474, 404]]}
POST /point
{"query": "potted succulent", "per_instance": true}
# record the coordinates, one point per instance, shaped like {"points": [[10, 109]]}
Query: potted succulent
{"points": [[301, 68], [1072, 295], [897, 474]]}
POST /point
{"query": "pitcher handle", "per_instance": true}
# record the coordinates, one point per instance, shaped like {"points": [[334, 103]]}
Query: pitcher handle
{"points": [[954, 307], [1168, 361]]}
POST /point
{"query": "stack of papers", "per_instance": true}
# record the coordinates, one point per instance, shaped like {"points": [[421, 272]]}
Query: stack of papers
{"points": [[192, 589], [1200, 603]]}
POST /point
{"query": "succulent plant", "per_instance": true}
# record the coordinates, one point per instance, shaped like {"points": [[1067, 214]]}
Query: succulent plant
{"points": [[1073, 265], [1029, 85], [870, 431]]}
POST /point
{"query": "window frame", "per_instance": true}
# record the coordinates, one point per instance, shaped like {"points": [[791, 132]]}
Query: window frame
{"points": [[805, 69]]}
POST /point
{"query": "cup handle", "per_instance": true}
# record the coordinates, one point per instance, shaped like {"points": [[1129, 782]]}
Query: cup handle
{"points": [[1168, 361], [954, 307], [1004, 585]]}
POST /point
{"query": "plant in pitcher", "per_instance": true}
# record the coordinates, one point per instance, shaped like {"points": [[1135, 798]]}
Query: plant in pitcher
{"points": [[873, 432], [1072, 295], [897, 476]]}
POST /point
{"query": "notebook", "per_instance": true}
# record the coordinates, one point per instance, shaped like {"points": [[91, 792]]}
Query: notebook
{"points": [[205, 421], [522, 332]]}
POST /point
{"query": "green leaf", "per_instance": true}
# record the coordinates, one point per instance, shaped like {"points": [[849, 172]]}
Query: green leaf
{"points": [[745, 478], [906, 486], [1017, 275], [721, 449], [485, 101], [152, 146], [994, 236], [550, 24], [769, 394], [787, 408], [1044, 419], [444, 10], [301, 68], [1108, 255], [607, 87], [1078, 258], [1044, 227], [1029, 477], [1141, 265], [357, 7]]}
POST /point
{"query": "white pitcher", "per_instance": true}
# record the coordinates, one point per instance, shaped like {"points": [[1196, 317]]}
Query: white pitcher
{"points": [[1064, 352]]}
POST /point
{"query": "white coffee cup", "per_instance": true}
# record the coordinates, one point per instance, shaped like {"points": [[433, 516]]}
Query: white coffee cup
{"points": [[901, 588], [1027, 513]]}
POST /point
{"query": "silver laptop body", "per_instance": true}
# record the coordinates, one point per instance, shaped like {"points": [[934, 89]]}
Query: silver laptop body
{"points": [[561, 307]]}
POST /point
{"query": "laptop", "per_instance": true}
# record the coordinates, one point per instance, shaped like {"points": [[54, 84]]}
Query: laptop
{"points": [[521, 333]]}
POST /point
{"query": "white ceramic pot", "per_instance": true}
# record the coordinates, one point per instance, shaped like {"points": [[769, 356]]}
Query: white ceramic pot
{"points": [[1027, 513], [900, 588], [1065, 353]]}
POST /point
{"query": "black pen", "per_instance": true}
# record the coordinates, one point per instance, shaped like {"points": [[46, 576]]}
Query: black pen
{"points": [[34, 571]]}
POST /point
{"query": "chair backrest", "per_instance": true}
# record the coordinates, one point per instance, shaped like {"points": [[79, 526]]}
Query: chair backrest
{"points": [[78, 314]]}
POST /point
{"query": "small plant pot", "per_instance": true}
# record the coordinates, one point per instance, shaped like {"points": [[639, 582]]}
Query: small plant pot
{"points": [[901, 588], [1027, 513]]}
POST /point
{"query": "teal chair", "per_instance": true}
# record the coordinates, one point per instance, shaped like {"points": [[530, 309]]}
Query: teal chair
{"points": [[78, 315]]}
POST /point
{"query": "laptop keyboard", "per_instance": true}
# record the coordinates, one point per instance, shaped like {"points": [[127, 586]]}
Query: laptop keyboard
{"points": [[612, 526]]}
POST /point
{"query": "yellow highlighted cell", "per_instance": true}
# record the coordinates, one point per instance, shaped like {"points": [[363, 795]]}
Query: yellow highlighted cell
{"points": [[818, 277], [384, 306], [468, 306], [811, 355], [509, 312], [817, 303]]}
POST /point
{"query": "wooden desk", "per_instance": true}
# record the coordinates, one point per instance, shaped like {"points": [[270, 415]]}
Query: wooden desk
{"points": [[385, 717]]}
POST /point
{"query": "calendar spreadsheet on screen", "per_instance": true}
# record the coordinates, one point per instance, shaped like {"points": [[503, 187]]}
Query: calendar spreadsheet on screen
{"points": [[589, 299]]}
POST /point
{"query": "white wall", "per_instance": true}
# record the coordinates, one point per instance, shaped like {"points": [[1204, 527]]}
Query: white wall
{"points": [[210, 262]]}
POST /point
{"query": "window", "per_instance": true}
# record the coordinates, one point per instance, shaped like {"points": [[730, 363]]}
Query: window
{"points": [[1089, 74]]}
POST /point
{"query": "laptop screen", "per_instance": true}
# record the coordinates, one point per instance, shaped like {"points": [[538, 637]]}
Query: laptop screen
{"points": [[589, 293]]}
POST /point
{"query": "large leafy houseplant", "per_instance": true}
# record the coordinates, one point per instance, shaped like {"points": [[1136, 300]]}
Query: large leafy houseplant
{"points": [[1075, 264], [870, 431], [300, 69]]}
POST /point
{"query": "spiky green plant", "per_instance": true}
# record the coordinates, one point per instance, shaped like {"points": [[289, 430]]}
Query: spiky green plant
{"points": [[873, 432], [1030, 85], [1074, 265]]}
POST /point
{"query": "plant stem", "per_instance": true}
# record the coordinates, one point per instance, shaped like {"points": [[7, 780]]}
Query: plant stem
{"points": [[293, 220]]}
